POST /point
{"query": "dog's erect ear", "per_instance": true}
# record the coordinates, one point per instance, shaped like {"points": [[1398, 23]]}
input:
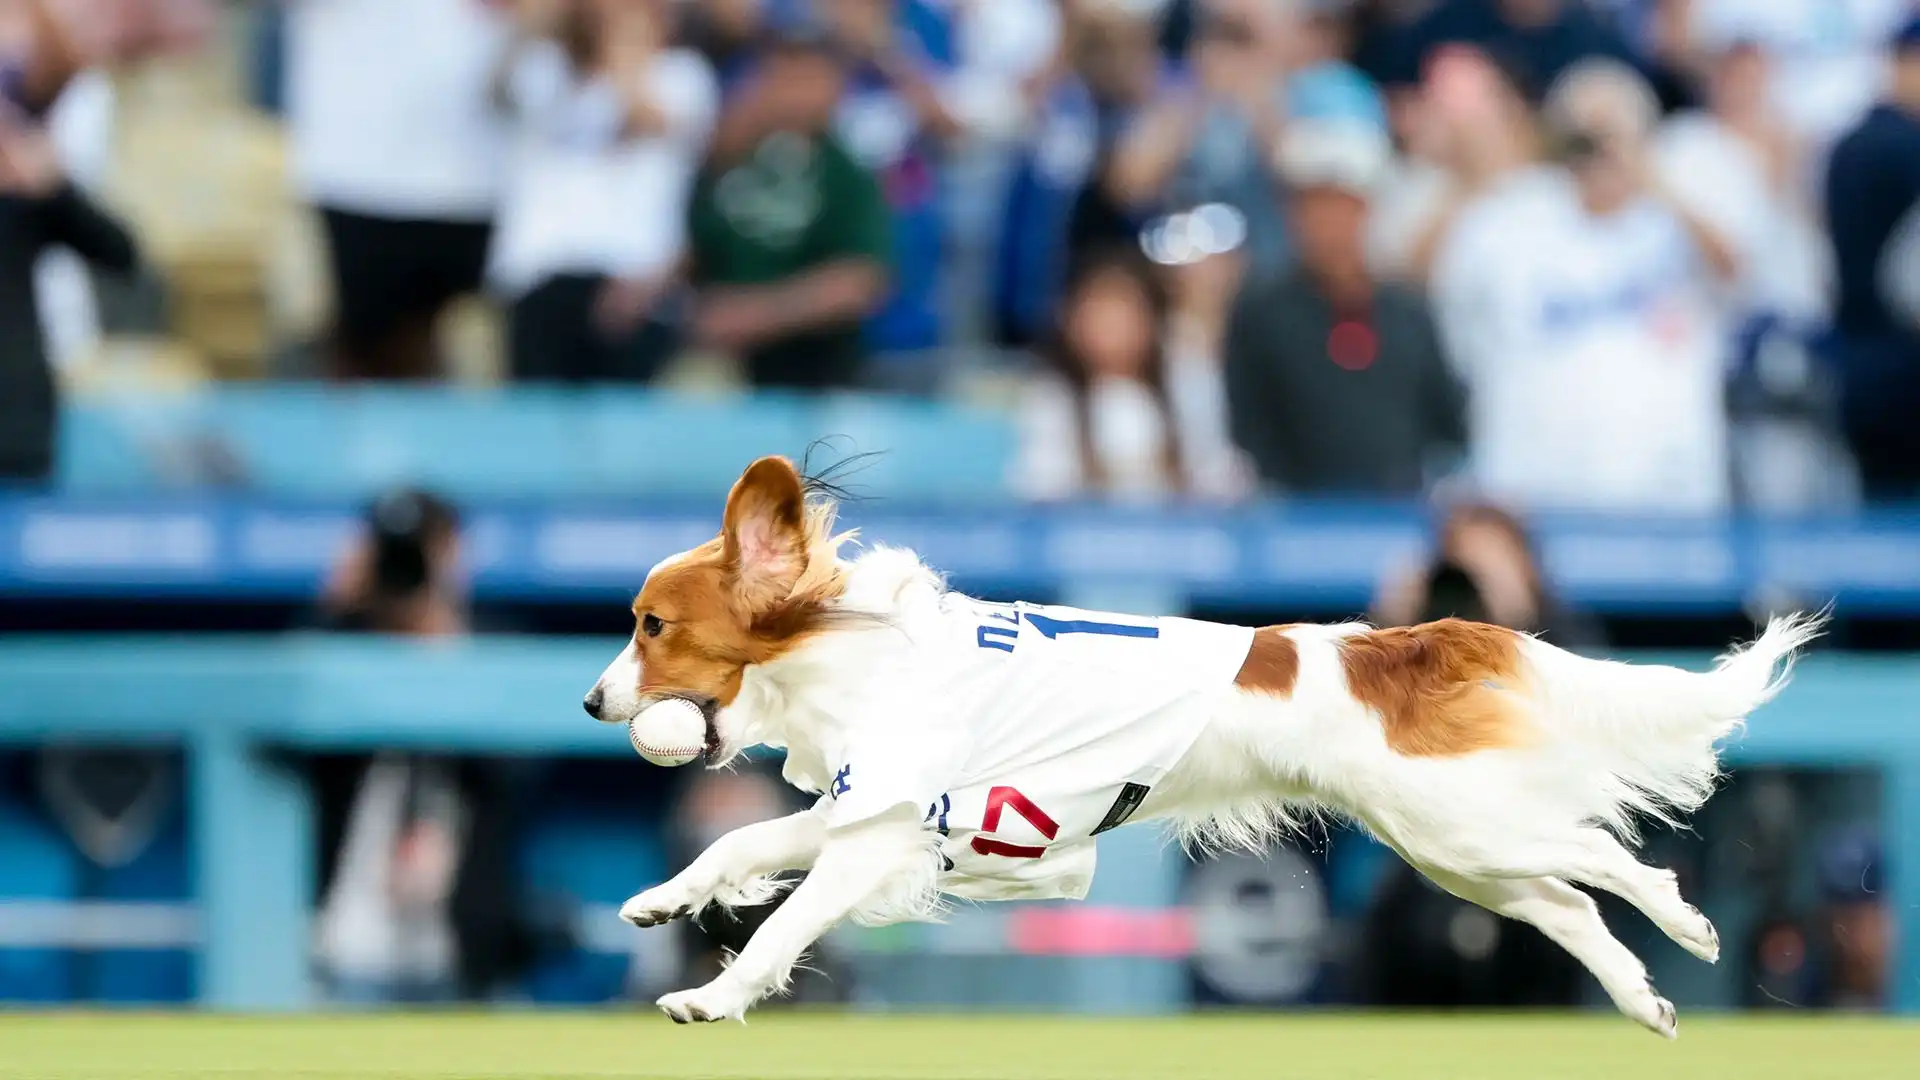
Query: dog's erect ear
{"points": [[765, 532]]}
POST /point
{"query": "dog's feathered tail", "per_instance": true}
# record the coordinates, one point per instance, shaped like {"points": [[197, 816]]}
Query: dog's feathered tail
{"points": [[1649, 735]]}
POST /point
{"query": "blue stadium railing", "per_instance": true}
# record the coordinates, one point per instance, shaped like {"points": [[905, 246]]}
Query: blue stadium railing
{"points": [[238, 705], [1311, 555], [576, 492]]}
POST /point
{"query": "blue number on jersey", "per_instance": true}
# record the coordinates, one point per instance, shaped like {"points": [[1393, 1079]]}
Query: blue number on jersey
{"points": [[1052, 628], [939, 811], [1004, 637]]}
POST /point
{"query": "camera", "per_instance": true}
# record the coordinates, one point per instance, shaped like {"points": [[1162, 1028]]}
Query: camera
{"points": [[404, 526]]}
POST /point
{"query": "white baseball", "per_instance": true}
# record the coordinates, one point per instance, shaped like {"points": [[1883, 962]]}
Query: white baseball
{"points": [[672, 731]]}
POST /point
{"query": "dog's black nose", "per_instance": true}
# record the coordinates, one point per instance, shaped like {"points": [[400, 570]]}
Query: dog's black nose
{"points": [[595, 698]]}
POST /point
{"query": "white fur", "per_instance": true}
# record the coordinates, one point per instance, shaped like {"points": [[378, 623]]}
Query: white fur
{"points": [[619, 687], [1508, 829]]}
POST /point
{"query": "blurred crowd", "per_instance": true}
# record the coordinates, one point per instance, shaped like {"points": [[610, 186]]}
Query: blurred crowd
{"points": [[1609, 254]]}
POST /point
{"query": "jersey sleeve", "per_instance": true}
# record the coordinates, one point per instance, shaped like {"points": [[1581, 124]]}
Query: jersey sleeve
{"points": [[881, 771], [904, 746]]}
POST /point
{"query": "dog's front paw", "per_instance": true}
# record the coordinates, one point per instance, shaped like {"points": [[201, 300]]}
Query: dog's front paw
{"points": [[720, 999], [660, 904]]}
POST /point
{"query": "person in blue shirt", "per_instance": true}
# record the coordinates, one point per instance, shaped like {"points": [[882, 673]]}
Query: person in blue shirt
{"points": [[892, 119], [1055, 204], [1872, 182]]}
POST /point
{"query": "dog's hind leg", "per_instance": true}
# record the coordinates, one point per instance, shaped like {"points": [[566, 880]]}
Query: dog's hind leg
{"points": [[1594, 857], [1470, 830], [1567, 916], [1570, 919], [1606, 864]]}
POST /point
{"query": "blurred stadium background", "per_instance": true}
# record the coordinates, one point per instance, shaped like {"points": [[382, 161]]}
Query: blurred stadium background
{"points": [[360, 356]]}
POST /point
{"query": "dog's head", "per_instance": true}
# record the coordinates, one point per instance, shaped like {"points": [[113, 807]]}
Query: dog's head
{"points": [[748, 596]]}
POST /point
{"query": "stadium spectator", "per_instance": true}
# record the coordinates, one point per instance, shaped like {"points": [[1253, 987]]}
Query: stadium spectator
{"points": [[1737, 164], [894, 119], [1827, 67], [1587, 313], [419, 897], [726, 32], [40, 208], [1202, 254], [1553, 36], [41, 55], [404, 576], [1000, 49], [789, 234], [1109, 414], [1057, 206], [1873, 181], [1485, 567], [396, 145], [47, 44], [1323, 351], [1468, 136], [612, 122], [55, 60], [1257, 65], [1735, 160]]}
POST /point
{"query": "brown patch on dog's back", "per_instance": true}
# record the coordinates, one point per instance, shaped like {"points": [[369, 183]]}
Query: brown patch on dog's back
{"points": [[1442, 688], [1272, 664]]}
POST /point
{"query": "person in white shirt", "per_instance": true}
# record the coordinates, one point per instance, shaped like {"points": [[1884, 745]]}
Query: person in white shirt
{"points": [[611, 127], [1468, 133], [1828, 66], [395, 143], [1115, 412], [1738, 164], [1588, 313]]}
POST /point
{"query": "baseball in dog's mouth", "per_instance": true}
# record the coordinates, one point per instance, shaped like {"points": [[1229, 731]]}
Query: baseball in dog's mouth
{"points": [[709, 707]]}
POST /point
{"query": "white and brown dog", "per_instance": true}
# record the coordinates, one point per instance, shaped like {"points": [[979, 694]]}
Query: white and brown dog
{"points": [[962, 748]]}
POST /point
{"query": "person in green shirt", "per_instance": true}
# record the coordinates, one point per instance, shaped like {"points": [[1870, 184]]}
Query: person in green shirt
{"points": [[788, 234]]}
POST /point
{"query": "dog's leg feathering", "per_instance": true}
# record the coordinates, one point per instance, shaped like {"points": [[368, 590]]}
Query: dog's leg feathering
{"points": [[865, 867], [733, 871], [1569, 918]]}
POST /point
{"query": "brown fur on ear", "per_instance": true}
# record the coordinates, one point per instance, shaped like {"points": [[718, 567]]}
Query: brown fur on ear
{"points": [[764, 535], [1442, 688], [1272, 664]]}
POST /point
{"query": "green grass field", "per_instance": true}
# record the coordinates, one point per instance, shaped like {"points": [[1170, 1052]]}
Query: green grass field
{"points": [[523, 1046]]}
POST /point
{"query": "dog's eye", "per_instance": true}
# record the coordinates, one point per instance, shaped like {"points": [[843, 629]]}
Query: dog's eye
{"points": [[651, 625]]}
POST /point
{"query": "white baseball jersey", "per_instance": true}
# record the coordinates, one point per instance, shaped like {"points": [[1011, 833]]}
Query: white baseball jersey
{"points": [[1039, 727]]}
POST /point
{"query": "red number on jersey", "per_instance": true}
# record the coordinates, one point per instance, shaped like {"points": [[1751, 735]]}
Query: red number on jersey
{"points": [[1000, 798]]}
